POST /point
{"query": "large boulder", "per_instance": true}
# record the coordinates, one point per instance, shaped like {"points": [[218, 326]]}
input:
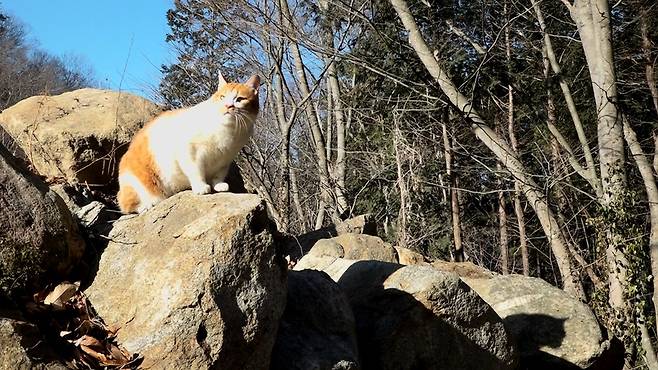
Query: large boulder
{"points": [[78, 135], [416, 317], [317, 329], [38, 238], [194, 283], [553, 330]]}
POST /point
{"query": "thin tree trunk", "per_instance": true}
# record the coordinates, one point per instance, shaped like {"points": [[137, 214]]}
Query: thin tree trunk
{"points": [[649, 179], [402, 187], [339, 164], [298, 204], [497, 145], [518, 207], [333, 88], [458, 253], [316, 131], [589, 173], [648, 173], [649, 354], [502, 228], [649, 69]]}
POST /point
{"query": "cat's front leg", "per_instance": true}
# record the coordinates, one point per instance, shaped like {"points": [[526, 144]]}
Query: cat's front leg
{"points": [[192, 167], [218, 182]]}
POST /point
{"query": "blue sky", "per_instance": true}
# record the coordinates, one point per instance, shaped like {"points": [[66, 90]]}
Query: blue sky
{"points": [[107, 34]]}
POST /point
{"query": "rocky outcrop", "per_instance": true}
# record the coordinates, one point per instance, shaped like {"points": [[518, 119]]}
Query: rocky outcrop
{"points": [[38, 237], [415, 317], [317, 330], [194, 283], [552, 329], [78, 135]]}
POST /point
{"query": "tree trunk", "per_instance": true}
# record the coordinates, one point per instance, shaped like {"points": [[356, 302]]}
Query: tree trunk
{"points": [[590, 173], [303, 225], [458, 253], [592, 18], [649, 179], [502, 228], [648, 173], [518, 207], [314, 123], [649, 69], [402, 187], [497, 145]]}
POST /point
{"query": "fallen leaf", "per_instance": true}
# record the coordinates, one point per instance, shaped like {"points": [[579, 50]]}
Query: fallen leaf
{"points": [[61, 294]]}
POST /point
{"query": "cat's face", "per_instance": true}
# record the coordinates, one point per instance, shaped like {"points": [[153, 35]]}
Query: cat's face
{"points": [[237, 101]]}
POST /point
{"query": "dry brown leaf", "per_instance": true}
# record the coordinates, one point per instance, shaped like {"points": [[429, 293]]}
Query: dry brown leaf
{"points": [[95, 354], [118, 354], [61, 294], [89, 341]]}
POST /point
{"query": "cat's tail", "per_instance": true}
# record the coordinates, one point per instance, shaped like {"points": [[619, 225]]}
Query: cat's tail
{"points": [[128, 199]]}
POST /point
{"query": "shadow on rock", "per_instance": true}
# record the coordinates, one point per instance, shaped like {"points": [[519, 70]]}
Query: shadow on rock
{"points": [[415, 317]]}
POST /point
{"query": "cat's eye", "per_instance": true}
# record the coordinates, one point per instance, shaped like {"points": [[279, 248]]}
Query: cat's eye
{"points": [[239, 99]]}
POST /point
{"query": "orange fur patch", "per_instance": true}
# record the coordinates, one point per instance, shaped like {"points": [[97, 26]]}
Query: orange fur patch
{"points": [[139, 161], [128, 199]]}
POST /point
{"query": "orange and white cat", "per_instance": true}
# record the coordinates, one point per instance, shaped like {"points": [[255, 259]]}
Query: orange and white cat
{"points": [[189, 148]]}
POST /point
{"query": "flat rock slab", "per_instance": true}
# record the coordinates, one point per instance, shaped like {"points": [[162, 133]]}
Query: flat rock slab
{"points": [[194, 283]]}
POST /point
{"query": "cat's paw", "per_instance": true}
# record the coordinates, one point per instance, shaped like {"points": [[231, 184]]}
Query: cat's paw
{"points": [[221, 187], [201, 189]]}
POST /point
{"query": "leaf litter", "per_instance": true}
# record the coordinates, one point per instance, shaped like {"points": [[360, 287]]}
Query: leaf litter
{"points": [[86, 342]]}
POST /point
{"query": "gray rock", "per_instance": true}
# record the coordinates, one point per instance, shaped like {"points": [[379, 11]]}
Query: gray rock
{"points": [[23, 347], [78, 135], [552, 328], [354, 247], [464, 269], [317, 329], [406, 256], [415, 317], [364, 247], [298, 246], [194, 283], [38, 239]]}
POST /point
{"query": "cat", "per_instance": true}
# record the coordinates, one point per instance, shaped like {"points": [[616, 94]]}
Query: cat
{"points": [[188, 148]]}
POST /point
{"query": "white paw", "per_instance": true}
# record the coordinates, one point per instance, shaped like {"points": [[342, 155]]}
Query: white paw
{"points": [[144, 207], [221, 187], [201, 189]]}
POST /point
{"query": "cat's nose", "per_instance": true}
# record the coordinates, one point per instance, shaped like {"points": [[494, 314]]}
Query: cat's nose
{"points": [[229, 104]]}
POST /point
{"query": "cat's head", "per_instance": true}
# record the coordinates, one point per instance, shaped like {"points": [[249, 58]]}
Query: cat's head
{"points": [[237, 101]]}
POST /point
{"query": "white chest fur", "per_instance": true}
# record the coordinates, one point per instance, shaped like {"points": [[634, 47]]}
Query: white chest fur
{"points": [[195, 148]]}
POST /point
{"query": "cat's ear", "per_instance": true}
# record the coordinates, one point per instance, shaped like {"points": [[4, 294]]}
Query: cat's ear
{"points": [[222, 81], [253, 82]]}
